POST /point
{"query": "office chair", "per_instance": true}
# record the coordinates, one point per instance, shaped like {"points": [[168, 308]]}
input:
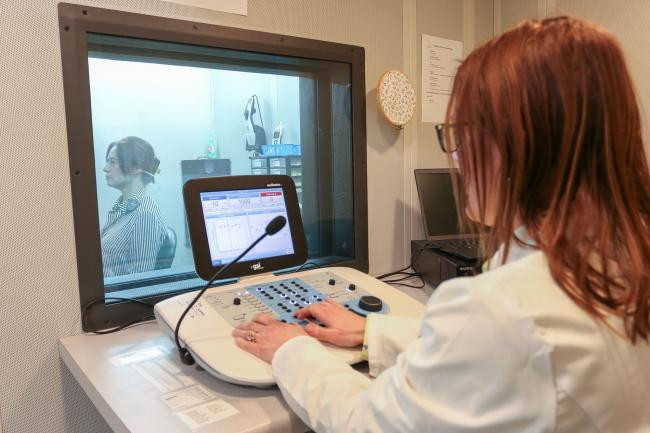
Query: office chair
{"points": [[167, 250]]}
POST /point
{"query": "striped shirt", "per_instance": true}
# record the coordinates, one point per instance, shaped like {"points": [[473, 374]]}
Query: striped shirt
{"points": [[132, 236]]}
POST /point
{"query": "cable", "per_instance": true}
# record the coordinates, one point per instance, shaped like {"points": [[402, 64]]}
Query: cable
{"points": [[272, 228], [103, 300], [421, 286], [388, 274], [185, 355], [414, 257], [406, 275], [304, 265]]}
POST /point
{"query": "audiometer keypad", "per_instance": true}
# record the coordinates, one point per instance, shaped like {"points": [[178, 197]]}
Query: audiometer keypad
{"points": [[281, 299]]}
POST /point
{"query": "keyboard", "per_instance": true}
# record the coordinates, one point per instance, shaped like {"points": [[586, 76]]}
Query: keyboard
{"points": [[464, 249]]}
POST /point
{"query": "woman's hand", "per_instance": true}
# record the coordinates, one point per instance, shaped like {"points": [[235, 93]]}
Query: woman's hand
{"points": [[341, 326], [264, 335]]}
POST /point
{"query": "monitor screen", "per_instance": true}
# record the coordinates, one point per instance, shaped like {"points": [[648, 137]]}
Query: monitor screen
{"points": [[437, 203], [228, 214], [234, 219]]}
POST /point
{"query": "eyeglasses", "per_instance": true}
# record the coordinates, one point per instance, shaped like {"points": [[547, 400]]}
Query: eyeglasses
{"points": [[453, 144]]}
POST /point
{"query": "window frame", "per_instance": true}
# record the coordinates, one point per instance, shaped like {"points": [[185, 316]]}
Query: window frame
{"points": [[75, 22]]}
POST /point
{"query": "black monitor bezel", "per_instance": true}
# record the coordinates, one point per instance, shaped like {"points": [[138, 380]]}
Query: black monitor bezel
{"points": [[75, 23], [196, 221]]}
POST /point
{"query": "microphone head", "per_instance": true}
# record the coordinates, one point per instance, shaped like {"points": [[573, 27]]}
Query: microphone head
{"points": [[275, 225]]}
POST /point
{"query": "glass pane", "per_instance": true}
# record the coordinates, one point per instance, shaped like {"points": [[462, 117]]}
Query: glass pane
{"points": [[164, 113]]}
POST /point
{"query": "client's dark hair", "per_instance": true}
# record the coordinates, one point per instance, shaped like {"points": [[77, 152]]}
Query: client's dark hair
{"points": [[133, 154]]}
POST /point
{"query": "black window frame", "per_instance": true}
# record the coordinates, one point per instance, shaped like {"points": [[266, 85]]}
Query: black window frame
{"points": [[75, 23]]}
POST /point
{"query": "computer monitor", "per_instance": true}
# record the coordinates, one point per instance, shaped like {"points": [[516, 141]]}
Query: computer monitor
{"points": [[438, 205], [227, 214]]}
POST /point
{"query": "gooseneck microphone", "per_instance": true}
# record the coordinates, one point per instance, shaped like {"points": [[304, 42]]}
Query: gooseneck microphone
{"points": [[272, 228]]}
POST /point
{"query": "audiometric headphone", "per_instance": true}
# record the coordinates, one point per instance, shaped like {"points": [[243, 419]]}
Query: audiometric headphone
{"points": [[258, 130], [149, 173], [248, 105], [153, 171], [249, 112]]}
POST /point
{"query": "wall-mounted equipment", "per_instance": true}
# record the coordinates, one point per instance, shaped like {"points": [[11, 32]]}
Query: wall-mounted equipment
{"points": [[396, 98]]}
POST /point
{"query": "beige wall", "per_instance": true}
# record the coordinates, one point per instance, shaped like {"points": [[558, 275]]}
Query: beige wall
{"points": [[432, 21], [627, 21], [442, 18], [484, 21], [513, 11], [381, 33], [446, 19]]}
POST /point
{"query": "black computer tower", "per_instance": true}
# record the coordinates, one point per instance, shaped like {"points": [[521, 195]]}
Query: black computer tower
{"points": [[436, 266]]}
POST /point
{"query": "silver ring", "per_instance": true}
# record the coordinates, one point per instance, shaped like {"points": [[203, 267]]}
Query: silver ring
{"points": [[251, 336]]}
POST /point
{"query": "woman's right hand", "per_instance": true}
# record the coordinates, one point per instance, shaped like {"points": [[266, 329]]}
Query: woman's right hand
{"points": [[341, 326]]}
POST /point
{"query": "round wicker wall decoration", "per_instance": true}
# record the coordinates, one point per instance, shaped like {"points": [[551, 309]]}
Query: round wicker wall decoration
{"points": [[396, 98]]}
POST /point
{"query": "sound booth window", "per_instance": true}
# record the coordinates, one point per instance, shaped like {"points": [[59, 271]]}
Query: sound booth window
{"points": [[163, 112]]}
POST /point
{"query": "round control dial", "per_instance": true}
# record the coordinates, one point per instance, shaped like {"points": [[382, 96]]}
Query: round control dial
{"points": [[370, 303]]}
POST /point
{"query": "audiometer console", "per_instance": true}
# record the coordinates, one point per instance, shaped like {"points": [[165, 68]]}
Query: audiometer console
{"points": [[247, 227], [206, 331]]}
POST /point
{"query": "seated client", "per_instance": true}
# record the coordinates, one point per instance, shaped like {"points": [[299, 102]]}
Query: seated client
{"points": [[134, 230]]}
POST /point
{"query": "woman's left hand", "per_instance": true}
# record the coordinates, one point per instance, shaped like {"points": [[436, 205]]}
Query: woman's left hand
{"points": [[264, 335]]}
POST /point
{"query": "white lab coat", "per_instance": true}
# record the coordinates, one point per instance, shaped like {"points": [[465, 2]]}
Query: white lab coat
{"points": [[505, 351]]}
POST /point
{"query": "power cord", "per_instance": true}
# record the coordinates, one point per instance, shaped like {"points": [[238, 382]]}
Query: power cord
{"points": [[403, 272], [93, 302], [397, 282]]}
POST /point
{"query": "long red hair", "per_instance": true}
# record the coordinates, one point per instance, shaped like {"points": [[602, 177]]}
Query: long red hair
{"points": [[553, 103]]}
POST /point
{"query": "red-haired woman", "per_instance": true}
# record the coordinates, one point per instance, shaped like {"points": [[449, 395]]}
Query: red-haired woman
{"points": [[545, 127]]}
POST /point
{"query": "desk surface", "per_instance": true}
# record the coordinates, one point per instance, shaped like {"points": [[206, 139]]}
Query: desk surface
{"points": [[138, 384]]}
